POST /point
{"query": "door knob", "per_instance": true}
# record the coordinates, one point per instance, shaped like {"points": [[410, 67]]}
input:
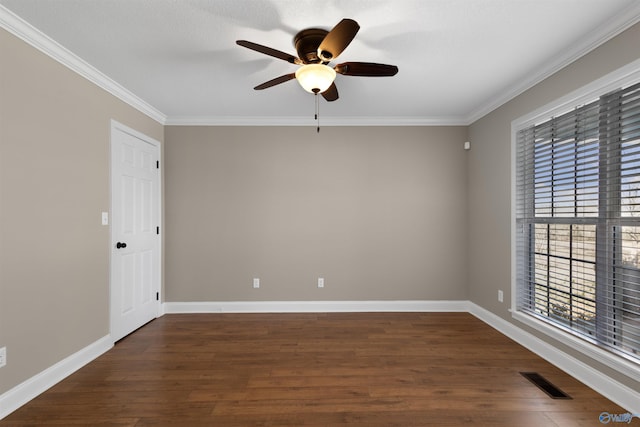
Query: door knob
{"points": [[121, 245]]}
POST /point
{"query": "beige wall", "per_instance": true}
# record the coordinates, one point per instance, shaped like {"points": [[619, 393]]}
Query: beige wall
{"points": [[379, 212], [54, 183], [489, 175]]}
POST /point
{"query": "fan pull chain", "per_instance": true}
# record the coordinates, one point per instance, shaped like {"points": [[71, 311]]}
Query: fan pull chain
{"points": [[317, 112], [317, 117]]}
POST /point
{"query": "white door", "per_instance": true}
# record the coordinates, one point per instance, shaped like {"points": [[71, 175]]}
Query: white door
{"points": [[135, 232]]}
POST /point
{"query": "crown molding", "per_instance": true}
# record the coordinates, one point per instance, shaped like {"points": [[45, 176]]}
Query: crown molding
{"points": [[599, 36], [26, 32], [305, 121], [34, 37]]}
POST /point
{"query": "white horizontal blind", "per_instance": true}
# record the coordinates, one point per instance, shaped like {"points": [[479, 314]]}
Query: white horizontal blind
{"points": [[619, 301], [578, 220]]}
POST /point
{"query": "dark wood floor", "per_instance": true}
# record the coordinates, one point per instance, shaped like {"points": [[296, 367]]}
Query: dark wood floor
{"points": [[360, 369]]}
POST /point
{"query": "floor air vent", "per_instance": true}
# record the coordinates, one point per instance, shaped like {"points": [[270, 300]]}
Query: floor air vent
{"points": [[544, 385]]}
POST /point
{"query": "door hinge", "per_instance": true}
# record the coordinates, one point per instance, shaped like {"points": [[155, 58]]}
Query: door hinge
{"points": [[157, 296], [157, 164], [157, 230]]}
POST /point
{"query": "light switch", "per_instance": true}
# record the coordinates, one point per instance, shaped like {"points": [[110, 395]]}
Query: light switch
{"points": [[105, 218]]}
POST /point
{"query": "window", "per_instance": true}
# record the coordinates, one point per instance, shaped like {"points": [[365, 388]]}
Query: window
{"points": [[578, 221]]}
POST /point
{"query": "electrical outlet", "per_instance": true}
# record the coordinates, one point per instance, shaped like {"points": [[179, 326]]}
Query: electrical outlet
{"points": [[256, 283], [500, 296], [3, 356], [320, 282]]}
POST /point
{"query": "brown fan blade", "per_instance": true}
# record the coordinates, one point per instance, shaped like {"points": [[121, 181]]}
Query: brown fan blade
{"points": [[276, 81], [269, 51], [331, 94], [338, 39], [366, 69]]}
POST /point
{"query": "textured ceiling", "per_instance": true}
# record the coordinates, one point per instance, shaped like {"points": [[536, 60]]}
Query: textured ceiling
{"points": [[458, 59]]}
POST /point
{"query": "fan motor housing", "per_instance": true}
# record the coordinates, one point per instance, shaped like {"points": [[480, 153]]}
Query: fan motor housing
{"points": [[307, 42]]}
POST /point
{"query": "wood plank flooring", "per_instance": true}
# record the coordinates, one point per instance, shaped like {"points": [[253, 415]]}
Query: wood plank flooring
{"points": [[357, 369]]}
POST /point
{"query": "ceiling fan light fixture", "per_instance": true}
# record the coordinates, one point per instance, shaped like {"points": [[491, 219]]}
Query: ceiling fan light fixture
{"points": [[315, 78]]}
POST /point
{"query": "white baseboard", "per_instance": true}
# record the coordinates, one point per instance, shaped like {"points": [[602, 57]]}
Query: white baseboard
{"points": [[313, 306], [29, 389], [606, 386]]}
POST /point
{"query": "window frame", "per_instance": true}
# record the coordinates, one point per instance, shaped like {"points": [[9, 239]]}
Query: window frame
{"points": [[622, 77]]}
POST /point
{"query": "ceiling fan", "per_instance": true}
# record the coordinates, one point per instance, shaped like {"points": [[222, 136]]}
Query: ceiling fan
{"points": [[316, 48]]}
